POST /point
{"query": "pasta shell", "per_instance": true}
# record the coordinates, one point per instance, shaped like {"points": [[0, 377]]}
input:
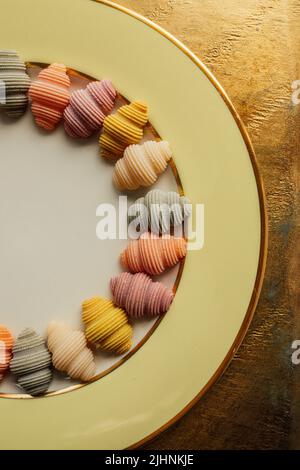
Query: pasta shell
{"points": [[88, 108], [70, 353], [160, 210], [6, 344], [50, 95], [123, 128], [153, 254], [31, 363], [141, 165], [139, 295], [14, 84], [106, 325]]}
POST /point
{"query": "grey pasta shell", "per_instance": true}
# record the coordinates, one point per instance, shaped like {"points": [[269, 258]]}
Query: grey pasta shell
{"points": [[36, 383], [14, 84], [31, 361], [159, 210]]}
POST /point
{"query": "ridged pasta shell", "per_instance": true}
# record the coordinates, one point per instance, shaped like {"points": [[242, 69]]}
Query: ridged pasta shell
{"points": [[139, 295], [160, 210], [6, 345], [141, 165], [88, 108], [14, 83], [50, 95], [106, 325], [123, 128], [69, 352], [153, 254], [31, 363]]}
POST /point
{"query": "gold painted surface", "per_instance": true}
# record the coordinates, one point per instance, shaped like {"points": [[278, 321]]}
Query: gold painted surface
{"points": [[252, 47]]}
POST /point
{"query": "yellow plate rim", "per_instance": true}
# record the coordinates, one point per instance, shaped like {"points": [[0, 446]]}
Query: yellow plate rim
{"points": [[263, 216]]}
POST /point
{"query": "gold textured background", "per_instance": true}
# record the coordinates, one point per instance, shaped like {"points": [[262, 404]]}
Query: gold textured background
{"points": [[253, 49]]}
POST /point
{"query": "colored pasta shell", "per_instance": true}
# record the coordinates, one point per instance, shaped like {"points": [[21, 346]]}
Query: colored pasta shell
{"points": [[88, 108], [50, 95], [123, 128], [106, 325], [31, 363], [160, 210], [6, 344], [141, 165], [70, 353], [139, 295], [14, 83], [153, 254]]}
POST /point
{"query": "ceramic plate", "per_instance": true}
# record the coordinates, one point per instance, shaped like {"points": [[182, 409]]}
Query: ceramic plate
{"points": [[51, 258]]}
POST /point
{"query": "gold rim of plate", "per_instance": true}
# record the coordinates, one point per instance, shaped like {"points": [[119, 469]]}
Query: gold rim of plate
{"points": [[263, 237]]}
